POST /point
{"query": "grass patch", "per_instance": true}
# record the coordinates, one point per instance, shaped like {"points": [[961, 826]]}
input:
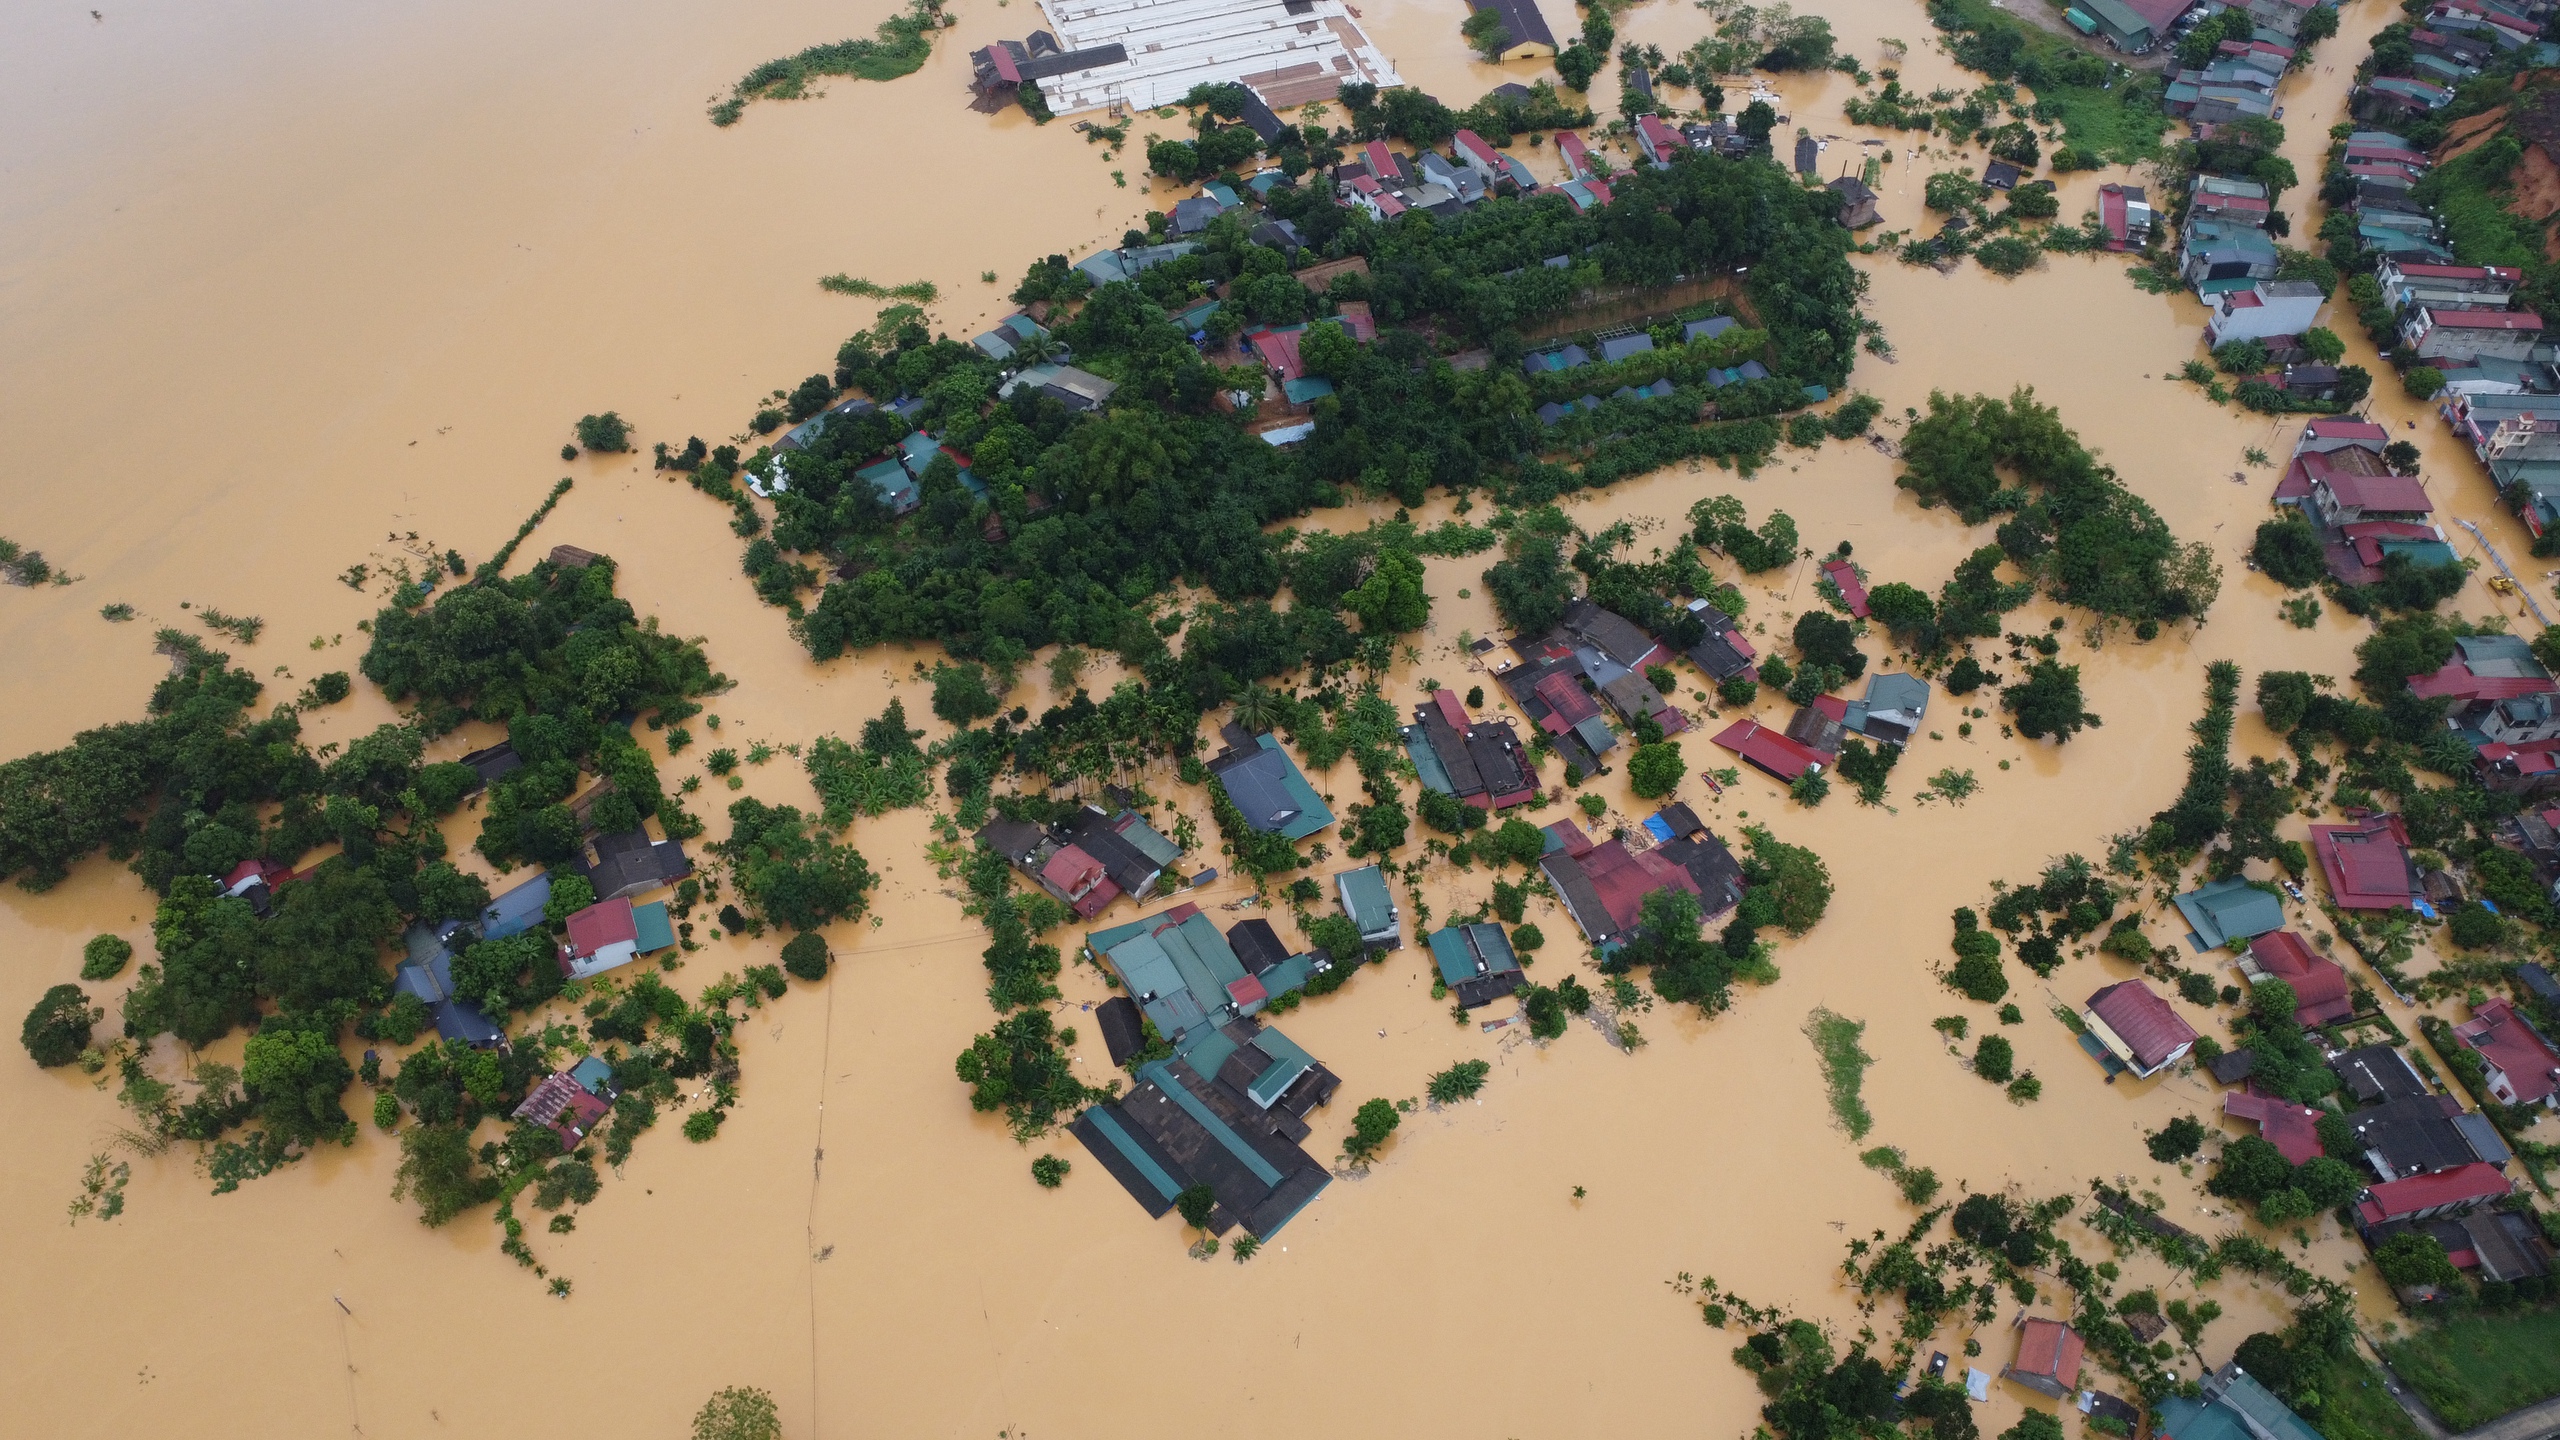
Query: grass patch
{"points": [[2479, 1367], [1844, 1067], [2123, 122], [2354, 1406], [922, 292], [899, 47]]}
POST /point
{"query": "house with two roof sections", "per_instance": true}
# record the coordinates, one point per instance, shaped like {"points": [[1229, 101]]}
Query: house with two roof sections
{"points": [[2498, 691], [2319, 984], [613, 933], [2221, 911], [1476, 962]]}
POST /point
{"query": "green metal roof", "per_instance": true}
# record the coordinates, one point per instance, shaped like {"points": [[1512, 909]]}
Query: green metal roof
{"points": [[2420, 552], [2116, 18], [1426, 761], [1365, 899], [1144, 1163], [650, 926], [2229, 909], [1457, 959], [2080, 22]]}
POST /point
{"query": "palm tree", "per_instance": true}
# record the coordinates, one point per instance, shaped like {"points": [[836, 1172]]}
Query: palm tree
{"points": [[1257, 708]]}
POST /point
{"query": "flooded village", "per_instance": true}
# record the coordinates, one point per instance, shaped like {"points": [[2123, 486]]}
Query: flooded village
{"points": [[1530, 961]]}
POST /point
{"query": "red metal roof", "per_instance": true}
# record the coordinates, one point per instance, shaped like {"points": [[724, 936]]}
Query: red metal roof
{"points": [[1452, 711], [2456, 680], [1845, 575], [2143, 1021], [1097, 899], [1623, 878], [2502, 1038], [1768, 749], [2052, 1350], [1473, 143], [1576, 158], [2292, 1129], [1381, 163], [1071, 870], [1662, 137], [1600, 190], [1247, 991], [1570, 703], [2445, 272], [1576, 843], [2319, 984], [1005, 68], [607, 922], [2484, 319], [2396, 493], [2460, 1185], [2340, 428], [2367, 864], [1278, 349]]}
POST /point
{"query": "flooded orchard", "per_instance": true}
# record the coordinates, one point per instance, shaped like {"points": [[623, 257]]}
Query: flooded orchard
{"points": [[293, 291]]}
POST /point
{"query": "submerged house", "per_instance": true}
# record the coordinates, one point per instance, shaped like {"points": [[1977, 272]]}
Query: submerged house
{"points": [[2376, 1073], [572, 1102], [2292, 1129], [622, 863], [517, 910], [427, 973], [611, 933], [1725, 651], [2423, 1135], [2319, 984], [2426, 1197], [2367, 864], [2232, 1407], [1476, 962], [1228, 1108], [1772, 752], [2049, 1354], [2138, 1027], [1267, 788], [1365, 899], [1603, 886], [1088, 860], [1857, 202], [2500, 693], [1893, 709], [1478, 761], [1548, 689], [2521, 1066], [2226, 910]]}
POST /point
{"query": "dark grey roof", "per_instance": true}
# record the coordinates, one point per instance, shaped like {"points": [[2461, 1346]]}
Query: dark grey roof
{"points": [[1123, 1030], [2538, 983], [1452, 749], [2232, 1066], [1257, 114], [1015, 840], [2411, 1137], [1041, 67], [1256, 944], [1254, 781], [1612, 634], [1581, 898], [499, 759], [1129, 867], [2378, 1072], [1192, 216], [1708, 862], [1525, 24], [1500, 762], [627, 862], [1808, 154], [1278, 235]]}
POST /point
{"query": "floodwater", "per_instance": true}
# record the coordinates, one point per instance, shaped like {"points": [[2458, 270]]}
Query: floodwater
{"points": [[280, 288]]}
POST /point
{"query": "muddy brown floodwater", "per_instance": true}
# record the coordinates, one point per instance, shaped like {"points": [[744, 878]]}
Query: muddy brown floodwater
{"points": [[283, 289]]}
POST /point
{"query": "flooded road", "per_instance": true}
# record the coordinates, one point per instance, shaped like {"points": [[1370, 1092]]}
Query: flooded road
{"points": [[278, 290]]}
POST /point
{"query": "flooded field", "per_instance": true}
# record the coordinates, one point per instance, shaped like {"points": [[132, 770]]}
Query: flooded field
{"points": [[280, 291]]}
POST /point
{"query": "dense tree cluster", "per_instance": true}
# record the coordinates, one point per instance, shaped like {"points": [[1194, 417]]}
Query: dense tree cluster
{"points": [[2071, 525]]}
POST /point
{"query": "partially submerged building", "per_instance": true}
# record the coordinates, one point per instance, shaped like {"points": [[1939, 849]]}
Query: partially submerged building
{"points": [[1476, 962], [1267, 788], [2367, 863], [2049, 1355], [2320, 991], [623, 863], [1371, 907], [1479, 761], [612, 933], [1603, 886], [2232, 1407], [2522, 1067], [1228, 1108], [2138, 1027], [1289, 52], [2222, 911], [427, 973]]}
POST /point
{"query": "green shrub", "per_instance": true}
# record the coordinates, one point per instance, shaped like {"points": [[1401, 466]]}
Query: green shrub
{"points": [[701, 1125], [607, 432], [1370, 1127], [1049, 1171], [1993, 1058], [1459, 1082], [57, 1027], [806, 955], [104, 957]]}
